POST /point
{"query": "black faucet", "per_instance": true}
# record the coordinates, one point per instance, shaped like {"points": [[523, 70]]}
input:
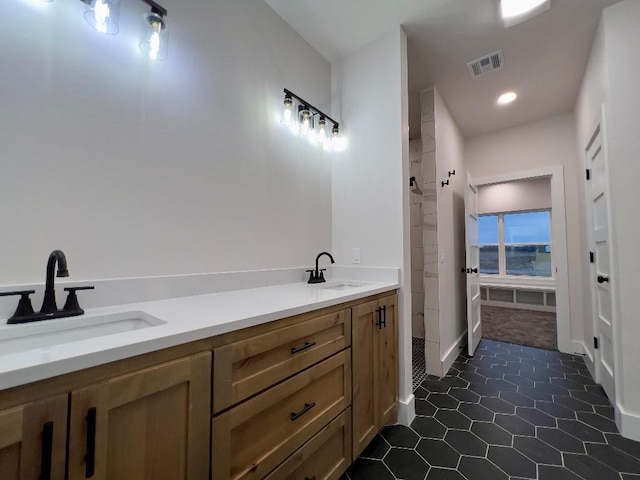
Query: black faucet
{"points": [[49, 303], [25, 314], [317, 275]]}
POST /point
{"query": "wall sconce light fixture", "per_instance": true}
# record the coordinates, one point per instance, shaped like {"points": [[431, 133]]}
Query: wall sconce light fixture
{"points": [[305, 122], [103, 16]]}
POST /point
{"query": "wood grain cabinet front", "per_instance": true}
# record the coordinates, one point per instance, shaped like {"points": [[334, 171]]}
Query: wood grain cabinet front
{"points": [[150, 424], [33, 440], [246, 367], [253, 438]]}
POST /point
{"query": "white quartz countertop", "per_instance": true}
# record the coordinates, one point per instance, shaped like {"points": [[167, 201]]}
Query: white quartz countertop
{"points": [[183, 320]]}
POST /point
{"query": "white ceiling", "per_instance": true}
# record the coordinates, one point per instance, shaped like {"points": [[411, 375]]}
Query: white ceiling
{"points": [[545, 57]]}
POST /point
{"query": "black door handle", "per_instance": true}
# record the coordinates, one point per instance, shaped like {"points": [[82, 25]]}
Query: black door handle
{"points": [[307, 407], [473, 270], [90, 457], [602, 279], [47, 451]]}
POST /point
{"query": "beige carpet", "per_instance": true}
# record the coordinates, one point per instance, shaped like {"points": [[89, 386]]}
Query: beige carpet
{"points": [[522, 327]]}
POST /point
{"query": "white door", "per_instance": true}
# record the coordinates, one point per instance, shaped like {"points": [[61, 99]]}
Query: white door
{"points": [[474, 328], [598, 194]]}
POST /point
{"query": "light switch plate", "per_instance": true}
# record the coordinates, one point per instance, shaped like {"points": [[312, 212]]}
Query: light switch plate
{"points": [[355, 255]]}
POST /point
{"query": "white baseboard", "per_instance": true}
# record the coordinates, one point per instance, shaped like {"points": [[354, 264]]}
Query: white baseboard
{"points": [[453, 352], [628, 423], [407, 411]]}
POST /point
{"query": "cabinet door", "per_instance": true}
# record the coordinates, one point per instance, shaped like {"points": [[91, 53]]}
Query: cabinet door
{"points": [[364, 349], [387, 371], [151, 424], [33, 440]]}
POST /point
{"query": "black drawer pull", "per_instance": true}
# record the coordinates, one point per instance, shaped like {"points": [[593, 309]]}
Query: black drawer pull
{"points": [[90, 457], [602, 279], [307, 407], [306, 345], [47, 451], [310, 478]]}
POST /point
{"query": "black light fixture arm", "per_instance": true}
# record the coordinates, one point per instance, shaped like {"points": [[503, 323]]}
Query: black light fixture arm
{"points": [[289, 93], [155, 7]]}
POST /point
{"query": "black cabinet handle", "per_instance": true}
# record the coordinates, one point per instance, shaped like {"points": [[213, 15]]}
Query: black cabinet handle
{"points": [[306, 345], [384, 316], [379, 321], [307, 407], [47, 451], [602, 279], [473, 270], [90, 457], [310, 478]]}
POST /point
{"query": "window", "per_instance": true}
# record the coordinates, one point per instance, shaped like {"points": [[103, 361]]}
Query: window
{"points": [[515, 244]]}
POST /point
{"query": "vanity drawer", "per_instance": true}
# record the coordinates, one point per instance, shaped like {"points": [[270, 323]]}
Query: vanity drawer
{"points": [[251, 439], [325, 457], [244, 368]]}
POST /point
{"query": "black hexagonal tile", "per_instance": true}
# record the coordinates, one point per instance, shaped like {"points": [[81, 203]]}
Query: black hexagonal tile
{"points": [[464, 395], [535, 394], [598, 422], [581, 431], [551, 388], [535, 417], [425, 409], [444, 474], [624, 444], [515, 425], [437, 453], [466, 443], [517, 399], [583, 380], [573, 404], [453, 419], [377, 449], [568, 384], [434, 386], [512, 462], [473, 377], [406, 464], [428, 427], [497, 405], [443, 400], [629, 476], [484, 390], [606, 412], [476, 412], [555, 410], [480, 469], [614, 458], [399, 436], [560, 440], [491, 433], [421, 392], [589, 468], [363, 469], [537, 450], [519, 380], [489, 373], [546, 472], [454, 382]]}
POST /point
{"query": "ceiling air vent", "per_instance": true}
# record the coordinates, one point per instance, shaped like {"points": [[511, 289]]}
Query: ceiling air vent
{"points": [[486, 64]]}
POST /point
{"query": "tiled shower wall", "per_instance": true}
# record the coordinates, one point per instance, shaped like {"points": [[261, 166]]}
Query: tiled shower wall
{"points": [[430, 282], [417, 252]]}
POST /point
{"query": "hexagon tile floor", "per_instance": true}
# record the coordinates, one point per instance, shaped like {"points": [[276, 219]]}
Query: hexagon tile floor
{"points": [[509, 413]]}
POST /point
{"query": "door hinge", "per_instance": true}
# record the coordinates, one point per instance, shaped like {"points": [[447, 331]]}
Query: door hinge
{"points": [[592, 257], [588, 174], [595, 343]]}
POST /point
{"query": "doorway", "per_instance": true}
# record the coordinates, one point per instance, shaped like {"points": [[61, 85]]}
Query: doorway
{"points": [[523, 268]]}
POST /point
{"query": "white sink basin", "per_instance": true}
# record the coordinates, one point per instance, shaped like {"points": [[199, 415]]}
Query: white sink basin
{"points": [[340, 285], [47, 333]]}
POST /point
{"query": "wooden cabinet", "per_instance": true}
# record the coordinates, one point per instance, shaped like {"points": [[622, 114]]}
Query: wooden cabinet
{"points": [[33, 440], [152, 423], [253, 438], [375, 369]]}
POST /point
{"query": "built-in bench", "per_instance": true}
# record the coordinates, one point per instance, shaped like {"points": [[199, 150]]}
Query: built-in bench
{"points": [[540, 298]]}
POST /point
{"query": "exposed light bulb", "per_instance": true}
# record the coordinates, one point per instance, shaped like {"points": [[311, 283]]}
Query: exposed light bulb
{"points": [[102, 13], [154, 42], [305, 120], [286, 116], [322, 134]]}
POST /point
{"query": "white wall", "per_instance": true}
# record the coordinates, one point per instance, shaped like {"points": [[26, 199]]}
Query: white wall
{"points": [[371, 184], [451, 232], [622, 37], [534, 194], [138, 168], [550, 142]]}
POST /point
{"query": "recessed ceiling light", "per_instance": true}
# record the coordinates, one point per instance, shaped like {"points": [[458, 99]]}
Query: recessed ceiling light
{"points": [[507, 98], [517, 11]]}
